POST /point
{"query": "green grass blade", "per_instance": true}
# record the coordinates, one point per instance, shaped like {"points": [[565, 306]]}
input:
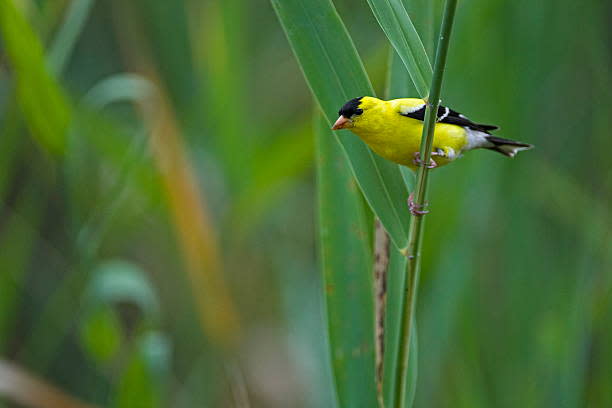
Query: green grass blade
{"points": [[398, 80], [346, 258], [276, 168], [335, 74], [10, 143], [397, 26], [411, 277], [18, 240], [395, 274], [165, 25], [69, 32], [117, 281], [222, 62], [398, 85], [41, 100], [119, 88], [425, 15], [136, 386]]}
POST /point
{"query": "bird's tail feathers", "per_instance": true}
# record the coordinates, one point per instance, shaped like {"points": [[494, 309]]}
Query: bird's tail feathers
{"points": [[487, 128], [506, 147]]}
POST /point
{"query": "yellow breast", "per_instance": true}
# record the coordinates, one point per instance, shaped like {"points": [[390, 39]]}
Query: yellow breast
{"points": [[398, 138]]}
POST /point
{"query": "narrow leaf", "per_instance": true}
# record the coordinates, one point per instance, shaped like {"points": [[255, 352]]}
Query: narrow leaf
{"points": [[119, 87], [66, 38], [397, 26], [395, 291], [398, 85], [40, 98], [411, 277], [381, 264], [346, 259], [335, 74]]}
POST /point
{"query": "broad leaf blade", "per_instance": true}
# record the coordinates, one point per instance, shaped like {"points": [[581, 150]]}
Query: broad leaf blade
{"points": [[395, 22], [335, 74], [347, 262]]}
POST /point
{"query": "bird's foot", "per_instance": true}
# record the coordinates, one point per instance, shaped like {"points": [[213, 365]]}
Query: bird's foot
{"points": [[417, 209], [432, 163]]}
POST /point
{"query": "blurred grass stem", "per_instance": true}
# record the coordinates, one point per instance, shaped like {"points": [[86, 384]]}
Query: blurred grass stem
{"points": [[415, 233]]}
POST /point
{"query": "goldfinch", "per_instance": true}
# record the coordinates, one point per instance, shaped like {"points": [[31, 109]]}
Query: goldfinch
{"points": [[393, 130]]}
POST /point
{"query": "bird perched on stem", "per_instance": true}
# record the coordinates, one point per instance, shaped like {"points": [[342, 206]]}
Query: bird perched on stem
{"points": [[393, 130]]}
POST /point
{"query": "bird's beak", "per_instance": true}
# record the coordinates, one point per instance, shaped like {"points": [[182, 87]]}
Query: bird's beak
{"points": [[341, 123]]}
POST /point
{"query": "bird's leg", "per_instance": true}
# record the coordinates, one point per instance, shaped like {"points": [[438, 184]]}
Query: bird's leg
{"points": [[417, 160], [432, 163], [416, 209]]}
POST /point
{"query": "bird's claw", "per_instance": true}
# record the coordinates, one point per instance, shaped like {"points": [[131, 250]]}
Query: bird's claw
{"points": [[417, 160], [417, 209]]}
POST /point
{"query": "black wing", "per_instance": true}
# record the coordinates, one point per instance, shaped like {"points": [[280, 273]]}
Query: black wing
{"points": [[447, 115]]}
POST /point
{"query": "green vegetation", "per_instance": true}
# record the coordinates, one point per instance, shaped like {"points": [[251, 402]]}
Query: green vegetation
{"points": [[416, 232], [162, 178]]}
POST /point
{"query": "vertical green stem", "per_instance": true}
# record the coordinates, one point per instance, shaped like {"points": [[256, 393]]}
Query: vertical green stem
{"points": [[415, 234]]}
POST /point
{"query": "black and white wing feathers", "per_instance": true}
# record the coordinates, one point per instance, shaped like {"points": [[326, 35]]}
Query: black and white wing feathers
{"points": [[447, 115]]}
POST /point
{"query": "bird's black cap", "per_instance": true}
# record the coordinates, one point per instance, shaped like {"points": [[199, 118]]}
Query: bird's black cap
{"points": [[351, 108]]}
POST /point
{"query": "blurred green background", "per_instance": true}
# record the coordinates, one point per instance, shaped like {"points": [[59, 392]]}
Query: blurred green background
{"points": [[157, 209]]}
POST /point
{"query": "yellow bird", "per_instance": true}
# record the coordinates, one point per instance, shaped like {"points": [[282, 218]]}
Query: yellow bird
{"points": [[393, 130]]}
